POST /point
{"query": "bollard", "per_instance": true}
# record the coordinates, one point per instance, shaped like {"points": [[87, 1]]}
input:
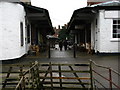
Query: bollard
{"points": [[74, 52], [49, 51]]}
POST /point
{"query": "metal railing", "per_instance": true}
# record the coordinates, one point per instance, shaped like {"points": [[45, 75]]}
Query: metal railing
{"points": [[97, 83]]}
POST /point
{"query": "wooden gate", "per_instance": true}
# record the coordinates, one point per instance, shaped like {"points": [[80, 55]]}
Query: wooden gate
{"points": [[50, 76], [47, 77]]}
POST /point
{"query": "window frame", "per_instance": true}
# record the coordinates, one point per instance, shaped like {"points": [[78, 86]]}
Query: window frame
{"points": [[116, 28], [112, 38], [21, 34]]}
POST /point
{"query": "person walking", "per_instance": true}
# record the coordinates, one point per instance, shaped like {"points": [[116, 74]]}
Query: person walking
{"points": [[60, 45], [65, 45]]}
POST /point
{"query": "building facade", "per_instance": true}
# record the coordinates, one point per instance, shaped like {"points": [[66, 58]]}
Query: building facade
{"points": [[105, 31], [12, 38], [97, 25], [21, 25]]}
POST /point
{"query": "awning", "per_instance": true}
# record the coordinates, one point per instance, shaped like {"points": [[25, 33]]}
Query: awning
{"points": [[81, 17], [85, 15], [40, 17]]}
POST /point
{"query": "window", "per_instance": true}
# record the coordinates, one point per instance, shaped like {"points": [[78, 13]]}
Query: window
{"points": [[21, 34], [116, 28]]}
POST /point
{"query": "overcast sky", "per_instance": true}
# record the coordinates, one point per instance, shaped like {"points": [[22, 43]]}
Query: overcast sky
{"points": [[60, 11]]}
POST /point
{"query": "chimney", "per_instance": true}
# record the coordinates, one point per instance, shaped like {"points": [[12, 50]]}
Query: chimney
{"points": [[58, 26]]}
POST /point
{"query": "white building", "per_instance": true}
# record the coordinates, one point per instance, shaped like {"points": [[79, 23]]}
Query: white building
{"points": [[100, 26], [16, 25], [12, 23], [105, 32]]}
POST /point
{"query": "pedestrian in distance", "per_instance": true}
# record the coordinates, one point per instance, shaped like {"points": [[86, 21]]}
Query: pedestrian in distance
{"points": [[60, 45], [65, 45]]}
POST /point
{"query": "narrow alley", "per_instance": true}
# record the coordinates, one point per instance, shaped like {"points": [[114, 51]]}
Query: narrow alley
{"points": [[59, 45]]}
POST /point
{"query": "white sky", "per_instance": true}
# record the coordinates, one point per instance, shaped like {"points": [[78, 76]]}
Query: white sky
{"points": [[60, 11]]}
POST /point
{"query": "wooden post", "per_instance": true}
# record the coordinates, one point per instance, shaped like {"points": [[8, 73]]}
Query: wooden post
{"points": [[51, 76], [110, 77], [74, 48], [59, 66], [37, 77], [32, 77], [91, 75], [49, 54]]}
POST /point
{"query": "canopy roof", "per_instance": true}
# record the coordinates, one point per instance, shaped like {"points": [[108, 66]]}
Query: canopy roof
{"points": [[85, 15], [11, 0], [109, 3], [39, 16], [97, 0]]}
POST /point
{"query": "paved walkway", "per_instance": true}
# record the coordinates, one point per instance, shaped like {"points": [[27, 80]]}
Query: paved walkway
{"points": [[67, 57], [61, 54]]}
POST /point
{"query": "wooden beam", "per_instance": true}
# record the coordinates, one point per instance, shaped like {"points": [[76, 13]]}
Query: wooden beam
{"points": [[36, 15], [83, 78], [73, 83], [65, 71], [37, 18], [53, 64], [8, 74], [77, 77]]}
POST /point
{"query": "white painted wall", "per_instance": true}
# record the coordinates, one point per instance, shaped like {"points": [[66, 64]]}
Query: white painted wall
{"points": [[105, 43], [11, 14], [108, 44], [95, 33], [0, 34]]}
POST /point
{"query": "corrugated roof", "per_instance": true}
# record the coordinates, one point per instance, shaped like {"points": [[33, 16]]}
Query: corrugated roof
{"points": [[25, 0], [11, 0], [99, 0], [109, 3]]}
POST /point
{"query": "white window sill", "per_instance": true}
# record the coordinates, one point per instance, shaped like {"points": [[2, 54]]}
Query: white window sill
{"points": [[115, 40]]}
